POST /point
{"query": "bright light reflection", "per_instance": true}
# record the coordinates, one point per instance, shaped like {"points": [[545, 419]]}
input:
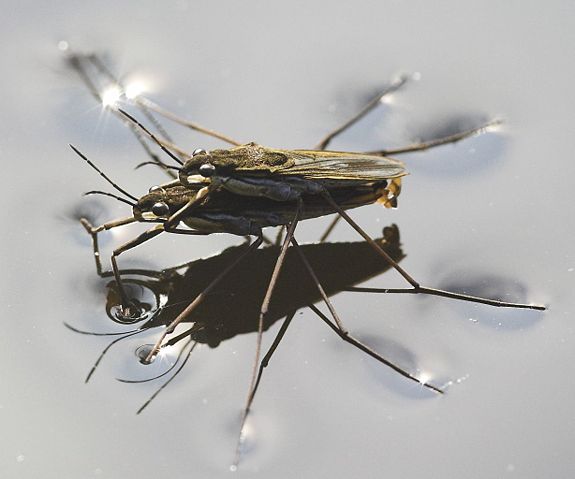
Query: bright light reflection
{"points": [[165, 351], [110, 96], [135, 89], [424, 377], [167, 355]]}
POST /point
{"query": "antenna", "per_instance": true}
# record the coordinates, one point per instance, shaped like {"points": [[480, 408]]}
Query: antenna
{"points": [[105, 193], [102, 174], [151, 135]]}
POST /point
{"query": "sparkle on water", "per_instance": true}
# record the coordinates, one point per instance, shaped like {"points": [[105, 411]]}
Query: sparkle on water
{"points": [[424, 377], [111, 96], [134, 89]]}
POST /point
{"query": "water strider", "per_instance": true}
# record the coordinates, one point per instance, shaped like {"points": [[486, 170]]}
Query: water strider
{"points": [[248, 187]]}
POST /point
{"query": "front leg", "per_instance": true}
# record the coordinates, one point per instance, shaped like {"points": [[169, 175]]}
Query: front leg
{"points": [[128, 308], [93, 232]]}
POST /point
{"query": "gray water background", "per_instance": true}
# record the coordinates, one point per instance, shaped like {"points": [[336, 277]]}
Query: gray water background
{"points": [[495, 210]]}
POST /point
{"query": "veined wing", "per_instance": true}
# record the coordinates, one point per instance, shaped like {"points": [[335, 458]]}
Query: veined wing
{"points": [[336, 165]]}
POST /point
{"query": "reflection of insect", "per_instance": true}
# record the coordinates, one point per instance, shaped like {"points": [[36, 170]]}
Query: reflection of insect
{"points": [[248, 187], [233, 306]]}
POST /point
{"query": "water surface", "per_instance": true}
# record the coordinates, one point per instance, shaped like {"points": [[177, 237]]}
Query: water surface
{"points": [[492, 214]]}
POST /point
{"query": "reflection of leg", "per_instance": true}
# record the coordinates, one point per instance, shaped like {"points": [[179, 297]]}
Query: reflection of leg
{"points": [[330, 228], [416, 286], [322, 145], [147, 105], [358, 344], [263, 314], [265, 361], [426, 145]]}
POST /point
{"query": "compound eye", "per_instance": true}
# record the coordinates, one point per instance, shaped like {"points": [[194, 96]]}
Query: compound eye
{"points": [[199, 151], [160, 209], [207, 170]]}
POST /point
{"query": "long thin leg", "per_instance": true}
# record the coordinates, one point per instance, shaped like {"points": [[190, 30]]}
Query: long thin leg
{"points": [[146, 105], [418, 147], [263, 313], [426, 145], [266, 359], [161, 375], [76, 62], [102, 68], [417, 288], [142, 238], [172, 222], [200, 298], [366, 349], [450, 139], [318, 285], [166, 146], [196, 328], [341, 331], [265, 362], [168, 381], [322, 145], [93, 232], [170, 225], [370, 240], [96, 248], [446, 294], [141, 103], [181, 121]]}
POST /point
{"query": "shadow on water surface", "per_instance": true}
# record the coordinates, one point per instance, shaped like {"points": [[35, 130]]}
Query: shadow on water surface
{"points": [[233, 307], [449, 162], [489, 285]]}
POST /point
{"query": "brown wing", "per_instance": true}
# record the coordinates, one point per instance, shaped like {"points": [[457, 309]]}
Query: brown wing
{"points": [[338, 165]]}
